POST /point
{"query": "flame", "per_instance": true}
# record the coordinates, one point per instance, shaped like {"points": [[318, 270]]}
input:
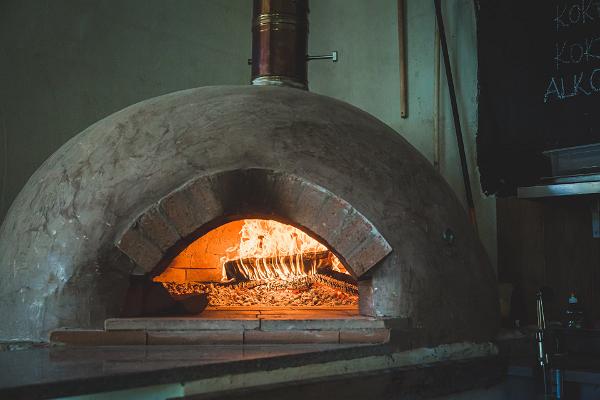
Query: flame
{"points": [[263, 238], [271, 250]]}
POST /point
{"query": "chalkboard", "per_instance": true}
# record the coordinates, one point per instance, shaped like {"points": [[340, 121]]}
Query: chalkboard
{"points": [[539, 85]]}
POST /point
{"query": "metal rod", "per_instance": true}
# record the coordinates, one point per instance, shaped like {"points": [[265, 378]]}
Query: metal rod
{"points": [[540, 338], [437, 151], [333, 57], [455, 114], [402, 56]]}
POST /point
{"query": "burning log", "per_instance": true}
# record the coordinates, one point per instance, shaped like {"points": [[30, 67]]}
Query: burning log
{"points": [[337, 276], [337, 280], [289, 272], [283, 267]]}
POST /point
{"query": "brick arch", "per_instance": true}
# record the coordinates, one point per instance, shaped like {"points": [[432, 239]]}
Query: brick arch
{"points": [[164, 229]]}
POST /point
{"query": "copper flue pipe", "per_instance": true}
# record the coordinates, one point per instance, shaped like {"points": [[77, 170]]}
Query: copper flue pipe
{"points": [[280, 43]]}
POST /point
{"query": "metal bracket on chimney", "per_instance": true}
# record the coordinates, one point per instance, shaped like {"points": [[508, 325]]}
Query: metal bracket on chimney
{"points": [[333, 57]]}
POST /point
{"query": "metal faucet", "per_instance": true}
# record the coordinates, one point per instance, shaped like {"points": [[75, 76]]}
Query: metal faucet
{"points": [[542, 355]]}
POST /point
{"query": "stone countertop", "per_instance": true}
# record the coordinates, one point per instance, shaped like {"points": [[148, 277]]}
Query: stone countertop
{"points": [[67, 371], [576, 368], [582, 365]]}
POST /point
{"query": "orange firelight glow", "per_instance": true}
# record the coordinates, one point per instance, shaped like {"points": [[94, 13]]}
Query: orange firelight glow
{"points": [[271, 250], [260, 263], [251, 249]]}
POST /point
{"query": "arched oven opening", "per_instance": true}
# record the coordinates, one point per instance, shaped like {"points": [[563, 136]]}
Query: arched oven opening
{"points": [[261, 264], [250, 242]]}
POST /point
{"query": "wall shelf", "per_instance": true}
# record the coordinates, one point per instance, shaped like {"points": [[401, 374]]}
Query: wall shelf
{"points": [[565, 186]]}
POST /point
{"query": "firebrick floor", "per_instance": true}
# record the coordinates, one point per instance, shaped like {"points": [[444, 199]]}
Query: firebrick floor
{"points": [[260, 319], [260, 326]]}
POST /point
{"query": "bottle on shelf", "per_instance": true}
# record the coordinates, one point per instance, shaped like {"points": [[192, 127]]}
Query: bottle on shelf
{"points": [[574, 313]]}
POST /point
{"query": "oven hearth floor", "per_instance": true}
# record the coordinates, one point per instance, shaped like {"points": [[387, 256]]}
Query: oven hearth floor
{"points": [[256, 326]]}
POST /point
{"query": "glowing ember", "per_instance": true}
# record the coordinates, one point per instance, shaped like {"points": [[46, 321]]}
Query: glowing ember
{"points": [[261, 263], [306, 291]]}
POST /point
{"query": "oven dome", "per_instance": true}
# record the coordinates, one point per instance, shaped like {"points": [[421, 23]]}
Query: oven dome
{"points": [[59, 244]]}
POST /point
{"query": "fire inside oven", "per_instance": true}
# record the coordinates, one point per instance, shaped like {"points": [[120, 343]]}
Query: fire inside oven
{"points": [[261, 263]]}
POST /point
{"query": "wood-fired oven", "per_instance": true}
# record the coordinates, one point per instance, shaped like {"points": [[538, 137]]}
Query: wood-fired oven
{"points": [[258, 196]]}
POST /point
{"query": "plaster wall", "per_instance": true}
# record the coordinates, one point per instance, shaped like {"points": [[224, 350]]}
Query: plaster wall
{"points": [[67, 63], [367, 76]]}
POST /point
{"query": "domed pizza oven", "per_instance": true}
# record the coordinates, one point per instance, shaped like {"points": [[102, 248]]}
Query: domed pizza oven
{"points": [[260, 197]]}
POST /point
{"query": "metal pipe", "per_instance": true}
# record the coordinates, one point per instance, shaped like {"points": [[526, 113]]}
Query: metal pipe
{"points": [[280, 43]]}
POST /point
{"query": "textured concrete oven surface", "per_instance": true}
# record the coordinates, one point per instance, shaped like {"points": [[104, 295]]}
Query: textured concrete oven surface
{"points": [[58, 260]]}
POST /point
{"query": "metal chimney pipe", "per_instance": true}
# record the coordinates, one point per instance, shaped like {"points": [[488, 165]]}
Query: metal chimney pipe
{"points": [[280, 43]]}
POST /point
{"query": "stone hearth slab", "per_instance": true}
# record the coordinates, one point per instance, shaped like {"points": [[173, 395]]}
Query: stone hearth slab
{"points": [[237, 320], [291, 337], [74, 337], [235, 327], [285, 323], [78, 337], [364, 336], [180, 324], [195, 337]]}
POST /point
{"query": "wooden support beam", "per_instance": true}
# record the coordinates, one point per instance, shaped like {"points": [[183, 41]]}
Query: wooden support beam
{"points": [[402, 59]]}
